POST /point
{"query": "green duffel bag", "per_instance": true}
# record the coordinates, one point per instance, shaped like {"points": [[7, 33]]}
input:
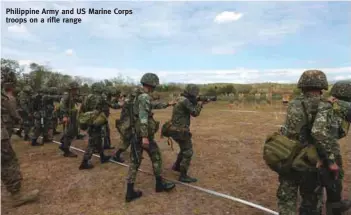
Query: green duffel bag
{"points": [[306, 160], [279, 152]]}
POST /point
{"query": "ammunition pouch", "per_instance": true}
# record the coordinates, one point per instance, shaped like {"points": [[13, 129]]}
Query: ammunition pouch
{"points": [[153, 126], [169, 130], [279, 152]]}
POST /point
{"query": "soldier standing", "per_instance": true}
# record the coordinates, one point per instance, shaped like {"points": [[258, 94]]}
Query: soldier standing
{"points": [[332, 123], [10, 170], [94, 102], [55, 117], [26, 107], [123, 123], [186, 107], [145, 127], [301, 112], [69, 118]]}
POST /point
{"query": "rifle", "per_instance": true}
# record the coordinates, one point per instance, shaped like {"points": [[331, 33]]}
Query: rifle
{"points": [[206, 98], [134, 139]]}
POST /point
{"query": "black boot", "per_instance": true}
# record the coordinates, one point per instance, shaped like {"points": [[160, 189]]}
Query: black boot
{"points": [[86, 165], [68, 153], [131, 193], [161, 185], [338, 208], [118, 157], [35, 143], [176, 165], [185, 178], [104, 158]]}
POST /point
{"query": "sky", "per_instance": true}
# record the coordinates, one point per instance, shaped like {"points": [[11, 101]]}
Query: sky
{"points": [[188, 42]]}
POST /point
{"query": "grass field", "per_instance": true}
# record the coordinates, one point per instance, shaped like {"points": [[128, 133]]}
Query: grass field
{"points": [[228, 159]]}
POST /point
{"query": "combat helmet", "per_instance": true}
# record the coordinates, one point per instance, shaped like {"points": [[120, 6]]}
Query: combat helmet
{"points": [[342, 90], [313, 79], [73, 85], [27, 89], [150, 79], [192, 90], [97, 88], [8, 77]]}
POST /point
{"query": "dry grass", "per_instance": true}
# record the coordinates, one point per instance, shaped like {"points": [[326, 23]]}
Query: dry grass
{"points": [[227, 159]]}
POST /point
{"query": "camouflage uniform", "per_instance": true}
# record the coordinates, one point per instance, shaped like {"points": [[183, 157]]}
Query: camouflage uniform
{"points": [[55, 114], [123, 124], [186, 107], [26, 110], [69, 111], [306, 182], [94, 102], [330, 125], [10, 170], [145, 127], [43, 108]]}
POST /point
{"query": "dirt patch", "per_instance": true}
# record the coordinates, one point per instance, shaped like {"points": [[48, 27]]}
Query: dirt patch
{"points": [[227, 158]]}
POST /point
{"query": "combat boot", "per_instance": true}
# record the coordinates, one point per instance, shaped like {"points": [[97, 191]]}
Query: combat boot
{"points": [[338, 208], [20, 198], [184, 177], [161, 185], [35, 142], [131, 193], [86, 165], [118, 157], [176, 167], [68, 153], [104, 158]]}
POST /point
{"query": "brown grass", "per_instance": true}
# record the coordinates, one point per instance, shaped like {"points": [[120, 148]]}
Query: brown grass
{"points": [[227, 159]]}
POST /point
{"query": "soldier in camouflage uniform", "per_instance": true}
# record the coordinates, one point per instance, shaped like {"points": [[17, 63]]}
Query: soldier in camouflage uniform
{"points": [[95, 102], [55, 114], [26, 110], [186, 107], [300, 115], [331, 124], [10, 170], [145, 127], [69, 112], [123, 123]]}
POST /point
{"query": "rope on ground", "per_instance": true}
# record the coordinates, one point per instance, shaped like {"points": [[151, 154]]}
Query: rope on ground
{"points": [[212, 192]]}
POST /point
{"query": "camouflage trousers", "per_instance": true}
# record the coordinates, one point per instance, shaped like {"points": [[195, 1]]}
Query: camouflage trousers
{"points": [[334, 189], [107, 139], [124, 144], [10, 170], [27, 125], [42, 126], [155, 156], [94, 142], [69, 133], [185, 154], [306, 183]]}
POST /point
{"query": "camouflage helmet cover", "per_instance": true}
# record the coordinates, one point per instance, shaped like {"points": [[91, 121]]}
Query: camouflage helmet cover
{"points": [[150, 79], [192, 90], [313, 79], [342, 90]]}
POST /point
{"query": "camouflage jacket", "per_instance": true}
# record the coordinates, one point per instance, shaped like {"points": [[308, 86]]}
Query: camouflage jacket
{"points": [[9, 115], [142, 108], [329, 126], [25, 102], [183, 110], [68, 106]]}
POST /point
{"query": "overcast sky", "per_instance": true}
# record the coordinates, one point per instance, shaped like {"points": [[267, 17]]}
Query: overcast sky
{"points": [[197, 42]]}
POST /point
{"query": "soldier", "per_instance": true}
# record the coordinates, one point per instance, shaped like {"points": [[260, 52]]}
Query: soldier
{"points": [[186, 107], [331, 124], [55, 117], [123, 123], [145, 127], [300, 114], [26, 107], [10, 170], [69, 118], [94, 102]]}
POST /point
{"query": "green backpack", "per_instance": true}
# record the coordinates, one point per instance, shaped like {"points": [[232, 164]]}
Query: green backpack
{"points": [[87, 119]]}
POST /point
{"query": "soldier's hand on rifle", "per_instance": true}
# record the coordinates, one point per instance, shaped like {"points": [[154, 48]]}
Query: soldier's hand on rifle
{"points": [[145, 142]]}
